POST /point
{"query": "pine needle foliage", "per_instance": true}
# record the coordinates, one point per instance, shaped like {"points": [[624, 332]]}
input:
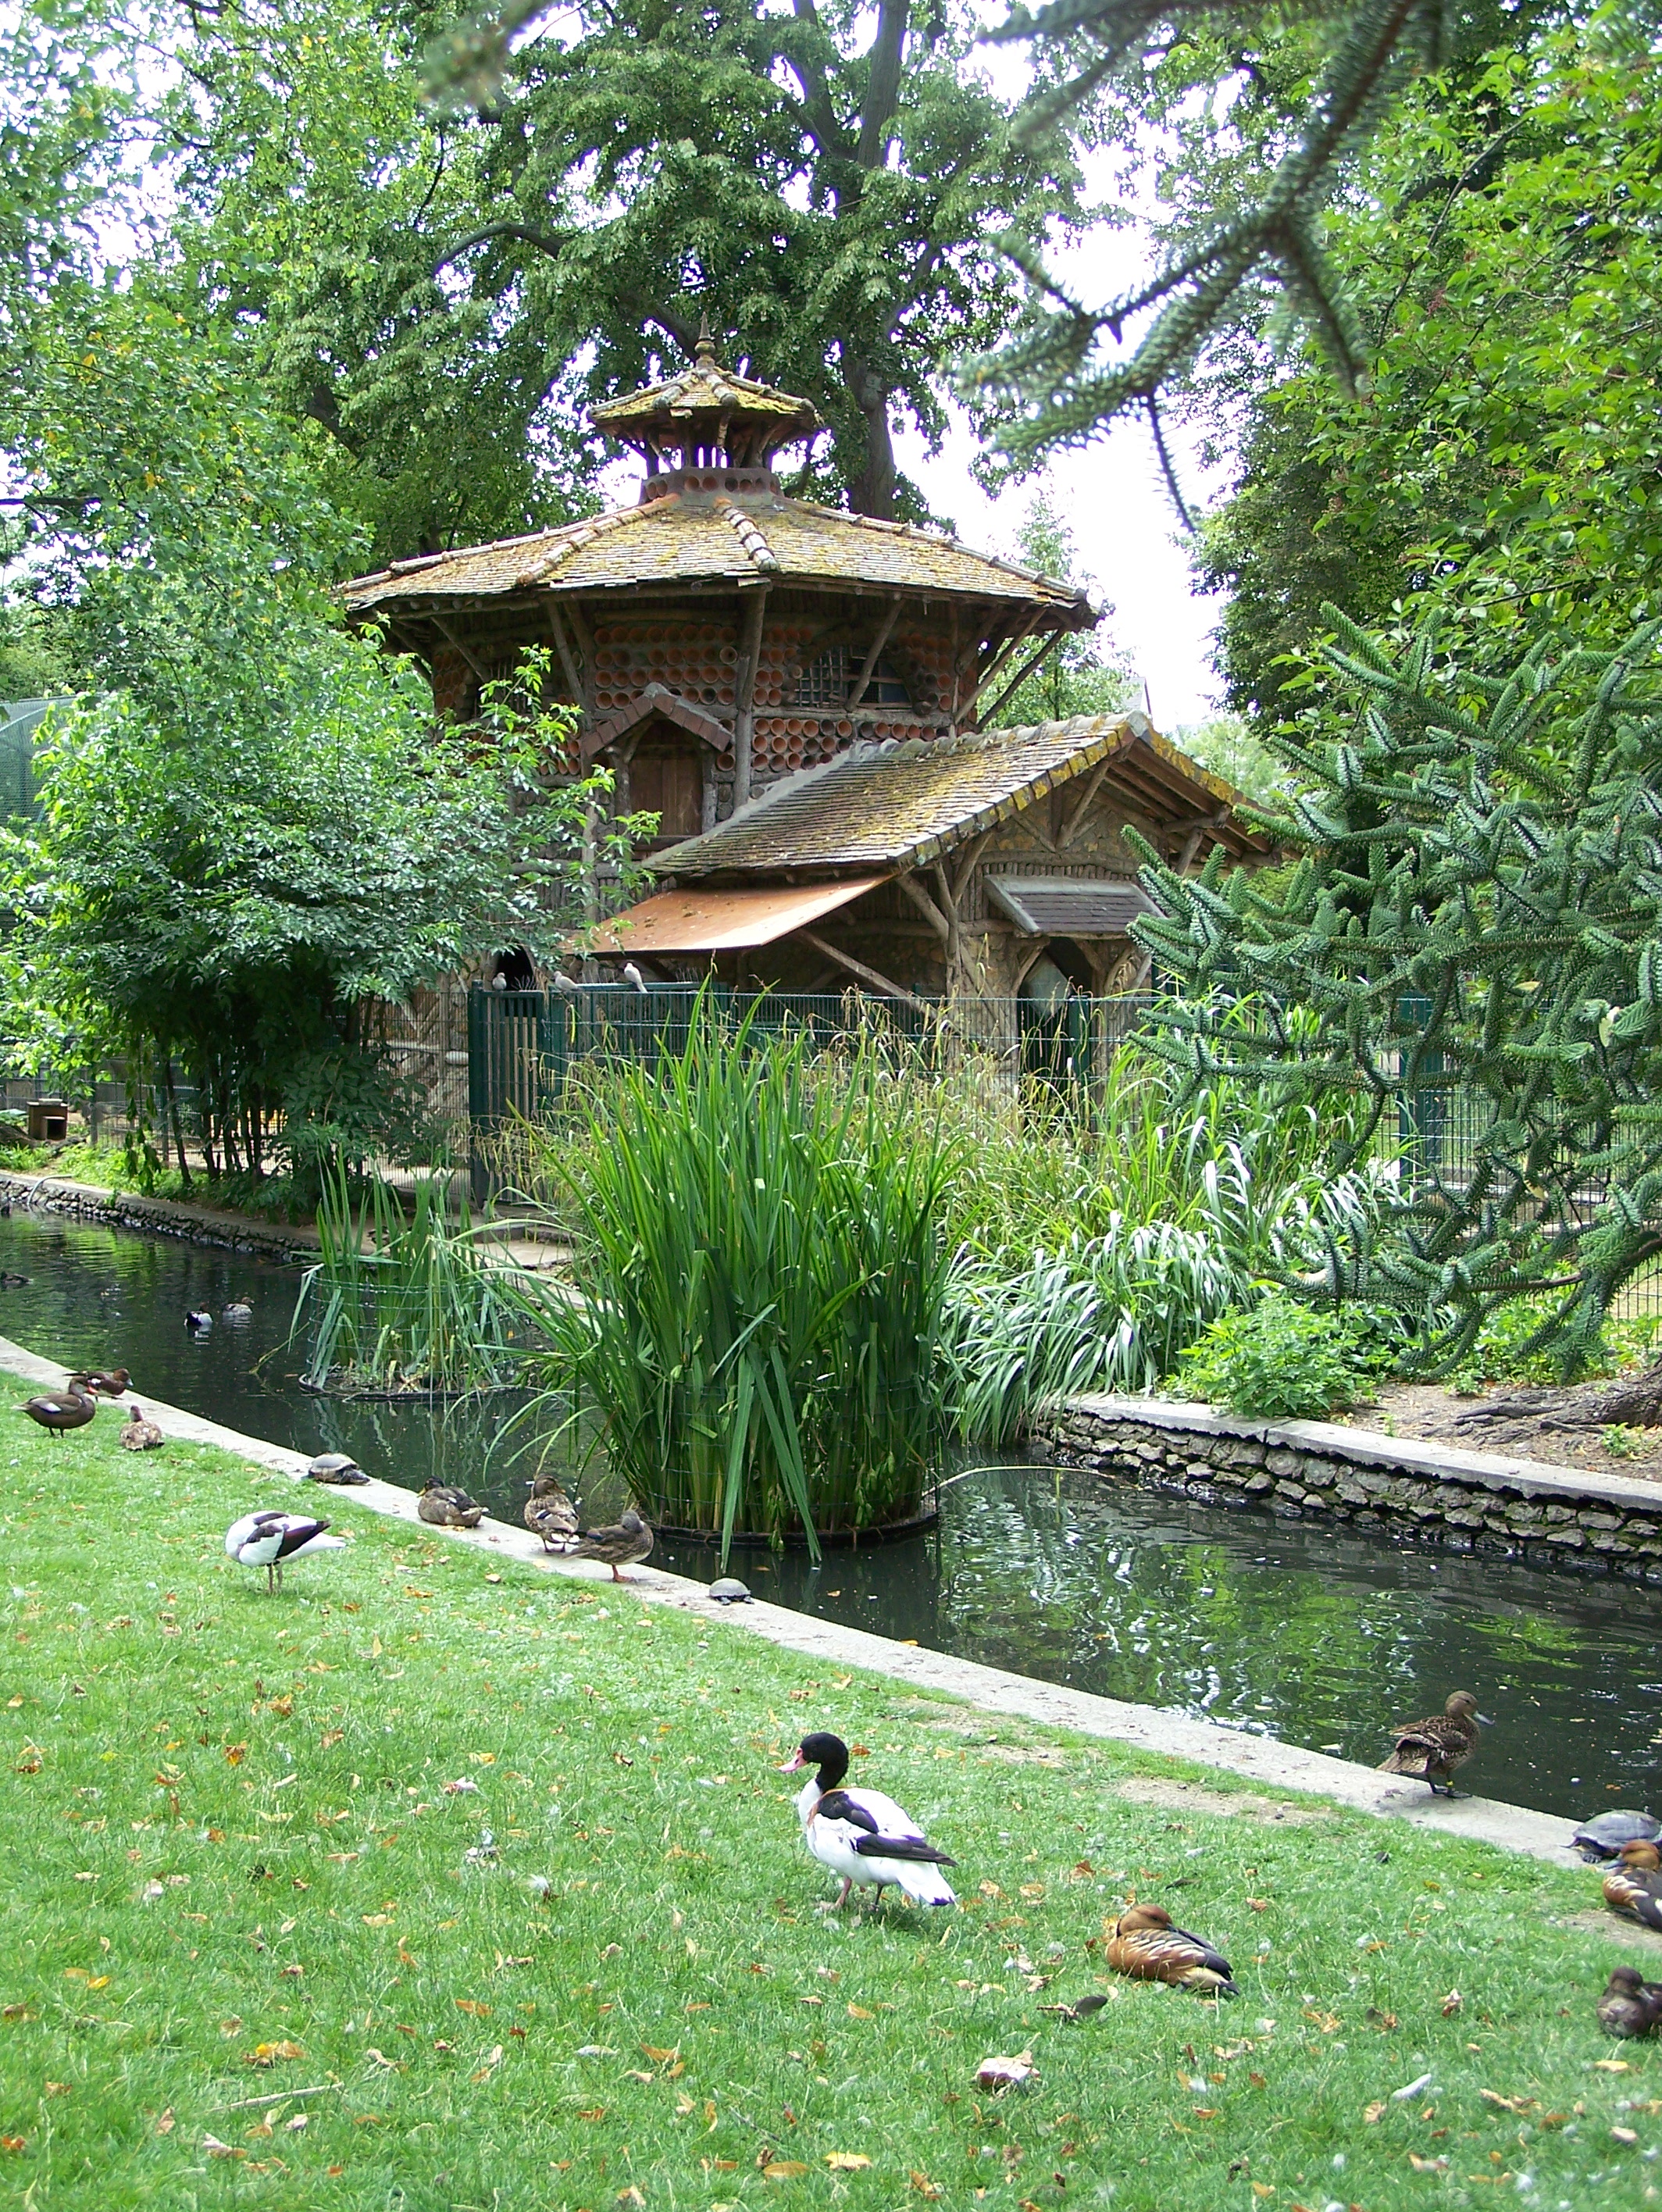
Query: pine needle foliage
{"points": [[1475, 918]]}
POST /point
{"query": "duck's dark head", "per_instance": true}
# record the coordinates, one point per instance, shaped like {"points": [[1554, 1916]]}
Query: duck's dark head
{"points": [[828, 1753]]}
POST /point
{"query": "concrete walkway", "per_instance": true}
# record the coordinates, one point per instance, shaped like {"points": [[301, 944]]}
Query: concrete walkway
{"points": [[989, 1689]]}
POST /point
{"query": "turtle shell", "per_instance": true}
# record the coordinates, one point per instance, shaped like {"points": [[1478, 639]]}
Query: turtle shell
{"points": [[334, 1466], [730, 1591], [1602, 1838]]}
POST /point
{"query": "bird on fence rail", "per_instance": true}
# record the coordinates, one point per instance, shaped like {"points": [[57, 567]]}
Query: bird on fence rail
{"points": [[136, 1434], [1632, 1886], [103, 1382], [1430, 1750], [634, 978], [71, 1408], [862, 1836], [268, 1540], [1143, 1943], [550, 1514], [1629, 2006], [448, 1507], [623, 1545]]}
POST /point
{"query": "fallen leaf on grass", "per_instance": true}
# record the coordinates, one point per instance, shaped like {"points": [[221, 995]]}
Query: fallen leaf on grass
{"points": [[1263, 2189], [783, 2169], [13, 2144], [165, 2124], [235, 1754], [858, 2012], [380, 2058], [847, 2161], [1374, 2113], [493, 2059], [56, 2090], [1427, 2165], [632, 2195], [1452, 2004], [924, 2187], [1625, 2135], [1328, 2022], [16, 2012], [658, 2056], [330, 1738], [472, 2004], [267, 2054], [216, 2148], [1508, 2103], [1005, 2073], [1612, 2065], [594, 2113]]}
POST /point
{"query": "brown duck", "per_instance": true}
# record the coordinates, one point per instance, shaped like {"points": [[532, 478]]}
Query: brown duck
{"points": [[1632, 1886], [550, 1514], [104, 1382], [1430, 1750], [1143, 1944], [64, 1409], [448, 1507], [1629, 2006], [136, 1434], [625, 1545]]}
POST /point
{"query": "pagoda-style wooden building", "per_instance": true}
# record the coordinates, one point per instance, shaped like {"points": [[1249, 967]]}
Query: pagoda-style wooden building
{"points": [[801, 695]]}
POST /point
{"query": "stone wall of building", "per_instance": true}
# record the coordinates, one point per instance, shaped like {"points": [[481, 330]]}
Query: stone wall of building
{"points": [[1465, 1501]]}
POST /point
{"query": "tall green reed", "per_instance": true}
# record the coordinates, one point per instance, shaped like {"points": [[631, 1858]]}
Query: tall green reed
{"points": [[761, 1269], [407, 1301]]}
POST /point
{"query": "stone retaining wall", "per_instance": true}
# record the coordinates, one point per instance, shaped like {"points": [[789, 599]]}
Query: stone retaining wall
{"points": [[1466, 1501], [193, 1224]]}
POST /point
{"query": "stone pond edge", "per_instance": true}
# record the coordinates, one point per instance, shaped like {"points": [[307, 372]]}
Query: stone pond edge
{"points": [[1487, 1503], [1154, 1729], [164, 1216]]}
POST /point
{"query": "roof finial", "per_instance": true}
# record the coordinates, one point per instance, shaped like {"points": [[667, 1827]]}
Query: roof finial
{"points": [[706, 348]]}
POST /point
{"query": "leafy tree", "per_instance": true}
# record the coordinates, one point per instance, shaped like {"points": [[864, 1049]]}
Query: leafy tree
{"points": [[1501, 469], [1082, 676], [440, 289], [1467, 959], [1231, 748]]}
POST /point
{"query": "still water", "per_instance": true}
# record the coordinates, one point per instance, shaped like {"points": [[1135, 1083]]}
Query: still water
{"points": [[1305, 1633]]}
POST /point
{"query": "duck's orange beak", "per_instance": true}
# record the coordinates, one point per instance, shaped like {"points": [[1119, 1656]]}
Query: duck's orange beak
{"points": [[793, 1765]]}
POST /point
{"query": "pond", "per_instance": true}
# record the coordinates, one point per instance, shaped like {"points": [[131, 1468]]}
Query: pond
{"points": [[1310, 1634]]}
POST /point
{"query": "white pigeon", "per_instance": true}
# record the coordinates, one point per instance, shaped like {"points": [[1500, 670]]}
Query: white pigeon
{"points": [[862, 1836], [267, 1539]]}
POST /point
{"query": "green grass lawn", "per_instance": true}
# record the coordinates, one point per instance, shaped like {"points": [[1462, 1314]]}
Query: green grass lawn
{"points": [[242, 1843]]}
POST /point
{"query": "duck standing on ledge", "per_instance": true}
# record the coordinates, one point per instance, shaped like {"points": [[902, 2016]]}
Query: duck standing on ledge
{"points": [[625, 1545], [104, 1382], [862, 1836], [1143, 1944], [66, 1409], [550, 1514], [1430, 1750], [1632, 1886], [448, 1507], [267, 1539]]}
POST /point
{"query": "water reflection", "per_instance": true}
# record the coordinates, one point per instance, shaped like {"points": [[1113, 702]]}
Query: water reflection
{"points": [[1297, 1631]]}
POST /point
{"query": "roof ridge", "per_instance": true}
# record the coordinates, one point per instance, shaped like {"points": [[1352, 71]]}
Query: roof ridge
{"points": [[761, 552], [574, 535]]}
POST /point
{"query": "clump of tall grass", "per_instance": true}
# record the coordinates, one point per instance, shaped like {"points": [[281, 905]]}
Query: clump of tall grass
{"points": [[408, 1301], [761, 1268]]}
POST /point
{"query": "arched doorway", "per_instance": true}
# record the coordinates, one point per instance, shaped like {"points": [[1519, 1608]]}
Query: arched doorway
{"points": [[1053, 1004]]}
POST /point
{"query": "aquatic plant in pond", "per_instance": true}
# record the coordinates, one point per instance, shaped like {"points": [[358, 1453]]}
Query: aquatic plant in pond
{"points": [[401, 1302], [763, 1268]]}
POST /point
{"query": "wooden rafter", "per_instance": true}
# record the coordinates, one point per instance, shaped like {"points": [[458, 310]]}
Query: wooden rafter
{"points": [[874, 977], [878, 642]]}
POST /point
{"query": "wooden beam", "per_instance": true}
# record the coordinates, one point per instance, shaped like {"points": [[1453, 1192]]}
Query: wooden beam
{"points": [[745, 694], [1028, 667], [878, 981], [1192, 842], [466, 651], [965, 865], [926, 907], [1077, 813], [567, 659], [870, 661]]}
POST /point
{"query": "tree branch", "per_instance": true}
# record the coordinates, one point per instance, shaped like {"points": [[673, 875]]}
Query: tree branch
{"points": [[551, 242], [884, 85]]}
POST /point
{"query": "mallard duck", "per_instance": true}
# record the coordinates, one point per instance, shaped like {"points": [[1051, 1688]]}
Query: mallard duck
{"points": [[104, 1382], [335, 1467], [629, 1542], [1431, 1750], [448, 1507], [862, 1836], [1629, 2006], [136, 1434], [550, 1514], [198, 1320], [269, 1539], [1632, 1886], [71, 1408], [1143, 1943]]}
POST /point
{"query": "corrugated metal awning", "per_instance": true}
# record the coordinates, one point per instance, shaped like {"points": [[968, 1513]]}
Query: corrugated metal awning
{"points": [[1068, 906], [723, 920]]}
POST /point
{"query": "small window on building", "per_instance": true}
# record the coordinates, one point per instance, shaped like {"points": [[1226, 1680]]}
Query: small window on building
{"points": [[827, 680]]}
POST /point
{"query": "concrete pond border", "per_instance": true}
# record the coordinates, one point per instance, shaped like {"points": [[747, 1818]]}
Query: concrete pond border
{"points": [[1487, 1503], [1158, 1730]]}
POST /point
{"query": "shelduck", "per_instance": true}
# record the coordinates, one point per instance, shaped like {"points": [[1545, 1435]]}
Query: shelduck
{"points": [[861, 1836], [270, 1540], [1430, 1750]]}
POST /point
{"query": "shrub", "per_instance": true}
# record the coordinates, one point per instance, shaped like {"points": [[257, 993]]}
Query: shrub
{"points": [[1281, 1358]]}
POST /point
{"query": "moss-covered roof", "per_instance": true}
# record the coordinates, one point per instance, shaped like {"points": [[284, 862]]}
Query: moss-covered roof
{"points": [[681, 537], [705, 393], [901, 805]]}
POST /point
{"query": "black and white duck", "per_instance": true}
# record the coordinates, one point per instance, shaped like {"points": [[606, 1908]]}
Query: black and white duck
{"points": [[1430, 1751], [624, 1546], [198, 1320], [550, 1514], [862, 1837], [69, 1408], [270, 1540], [447, 1506]]}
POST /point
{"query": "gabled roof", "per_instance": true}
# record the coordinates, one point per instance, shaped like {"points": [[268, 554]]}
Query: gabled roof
{"points": [[680, 537], [899, 805]]}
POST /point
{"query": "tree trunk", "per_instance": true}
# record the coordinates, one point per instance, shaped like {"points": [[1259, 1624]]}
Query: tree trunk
{"points": [[873, 491], [173, 1116]]}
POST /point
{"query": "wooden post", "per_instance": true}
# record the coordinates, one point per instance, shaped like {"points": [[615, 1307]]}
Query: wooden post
{"points": [[872, 656], [744, 718]]}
